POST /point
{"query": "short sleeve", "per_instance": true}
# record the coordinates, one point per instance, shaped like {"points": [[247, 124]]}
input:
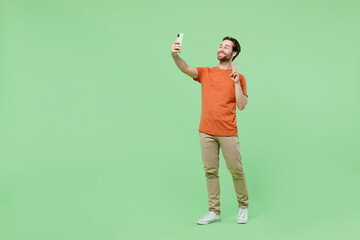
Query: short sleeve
{"points": [[200, 72], [243, 85]]}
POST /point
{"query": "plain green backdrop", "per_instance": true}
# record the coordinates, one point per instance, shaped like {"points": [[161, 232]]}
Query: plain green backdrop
{"points": [[99, 128]]}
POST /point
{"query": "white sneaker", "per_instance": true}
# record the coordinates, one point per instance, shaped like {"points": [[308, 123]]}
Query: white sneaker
{"points": [[242, 216], [209, 218]]}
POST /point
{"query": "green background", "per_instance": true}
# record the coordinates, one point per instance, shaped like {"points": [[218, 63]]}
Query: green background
{"points": [[99, 128]]}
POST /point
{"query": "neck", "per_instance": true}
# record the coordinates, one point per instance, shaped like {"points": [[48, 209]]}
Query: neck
{"points": [[226, 65]]}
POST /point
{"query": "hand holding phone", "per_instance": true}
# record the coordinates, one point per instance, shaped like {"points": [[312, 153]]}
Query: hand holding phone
{"points": [[180, 38], [176, 47]]}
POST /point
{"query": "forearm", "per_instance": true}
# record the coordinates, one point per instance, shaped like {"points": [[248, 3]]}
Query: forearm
{"points": [[179, 62], [241, 99]]}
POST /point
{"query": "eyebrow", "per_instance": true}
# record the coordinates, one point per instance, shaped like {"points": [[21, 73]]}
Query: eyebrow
{"points": [[225, 45]]}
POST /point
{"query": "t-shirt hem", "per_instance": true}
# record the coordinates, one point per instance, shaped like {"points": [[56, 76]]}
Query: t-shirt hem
{"points": [[218, 134]]}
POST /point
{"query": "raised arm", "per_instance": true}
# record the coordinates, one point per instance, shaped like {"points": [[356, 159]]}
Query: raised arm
{"points": [[190, 71]]}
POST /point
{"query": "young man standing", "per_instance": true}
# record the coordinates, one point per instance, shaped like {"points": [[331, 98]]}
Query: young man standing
{"points": [[222, 89]]}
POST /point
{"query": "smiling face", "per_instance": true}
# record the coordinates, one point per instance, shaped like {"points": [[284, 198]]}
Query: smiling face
{"points": [[224, 52]]}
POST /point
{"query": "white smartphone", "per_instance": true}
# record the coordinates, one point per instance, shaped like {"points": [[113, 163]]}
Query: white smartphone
{"points": [[180, 38]]}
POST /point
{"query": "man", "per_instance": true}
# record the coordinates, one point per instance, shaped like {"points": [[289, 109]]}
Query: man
{"points": [[222, 89]]}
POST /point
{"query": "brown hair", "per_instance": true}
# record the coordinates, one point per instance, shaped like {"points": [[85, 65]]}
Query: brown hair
{"points": [[236, 48]]}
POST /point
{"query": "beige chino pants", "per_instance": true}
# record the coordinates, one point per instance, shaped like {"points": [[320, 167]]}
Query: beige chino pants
{"points": [[210, 145]]}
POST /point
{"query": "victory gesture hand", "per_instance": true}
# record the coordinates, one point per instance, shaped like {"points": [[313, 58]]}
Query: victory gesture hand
{"points": [[234, 75]]}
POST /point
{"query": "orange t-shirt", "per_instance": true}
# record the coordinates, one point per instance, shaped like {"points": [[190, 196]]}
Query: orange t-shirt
{"points": [[218, 110]]}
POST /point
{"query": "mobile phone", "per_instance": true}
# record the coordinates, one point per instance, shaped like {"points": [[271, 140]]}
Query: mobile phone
{"points": [[180, 38]]}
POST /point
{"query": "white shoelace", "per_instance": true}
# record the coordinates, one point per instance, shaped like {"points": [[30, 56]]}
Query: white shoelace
{"points": [[207, 215], [242, 212]]}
